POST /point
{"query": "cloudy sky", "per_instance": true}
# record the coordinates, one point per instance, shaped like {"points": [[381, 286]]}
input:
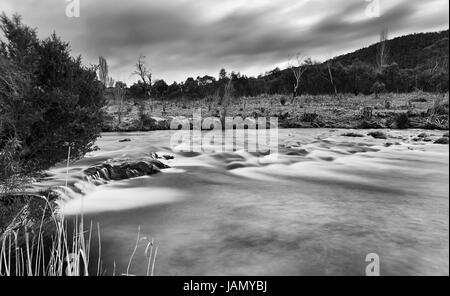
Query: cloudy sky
{"points": [[182, 38]]}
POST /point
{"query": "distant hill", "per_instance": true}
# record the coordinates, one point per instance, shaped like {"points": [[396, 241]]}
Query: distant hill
{"points": [[415, 61], [410, 51]]}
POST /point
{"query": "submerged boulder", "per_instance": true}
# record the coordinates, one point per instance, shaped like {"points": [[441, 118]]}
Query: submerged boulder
{"points": [[378, 135], [352, 134], [423, 135], [443, 140]]}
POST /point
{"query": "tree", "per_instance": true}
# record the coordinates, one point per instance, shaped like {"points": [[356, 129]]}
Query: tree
{"points": [[362, 77], [121, 84], [137, 90], [103, 71], [160, 87], [222, 74], [144, 74], [226, 100], [22, 42], [174, 90], [190, 88], [297, 65], [382, 51], [328, 75], [119, 93], [377, 88], [391, 75]]}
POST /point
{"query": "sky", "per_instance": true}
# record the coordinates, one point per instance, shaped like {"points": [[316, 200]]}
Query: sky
{"points": [[181, 38]]}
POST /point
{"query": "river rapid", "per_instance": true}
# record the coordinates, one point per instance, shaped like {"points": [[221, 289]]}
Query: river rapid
{"points": [[317, 207]]}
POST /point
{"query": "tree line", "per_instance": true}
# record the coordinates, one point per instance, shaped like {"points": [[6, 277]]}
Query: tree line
{"points": [[405, 64]]}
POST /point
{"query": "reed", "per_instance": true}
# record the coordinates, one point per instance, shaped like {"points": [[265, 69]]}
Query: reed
{"points": [[65, 251]]}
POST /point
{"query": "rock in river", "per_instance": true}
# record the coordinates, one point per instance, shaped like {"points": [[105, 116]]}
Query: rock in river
{"points": [[119, 169], [443, 140], [378, 135]]}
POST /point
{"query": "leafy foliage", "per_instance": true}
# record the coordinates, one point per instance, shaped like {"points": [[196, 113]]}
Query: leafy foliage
{"points": [[48, 99]]}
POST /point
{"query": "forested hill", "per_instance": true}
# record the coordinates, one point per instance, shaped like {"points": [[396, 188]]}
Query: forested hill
{"points": [[414, 62], [410, 51]]}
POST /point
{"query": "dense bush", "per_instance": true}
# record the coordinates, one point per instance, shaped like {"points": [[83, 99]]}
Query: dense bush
{"points": [[48, 99], [402, 121], [378, 88]]}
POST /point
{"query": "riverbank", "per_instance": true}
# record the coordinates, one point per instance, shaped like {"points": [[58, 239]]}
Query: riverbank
{"points": [[416, 110]]}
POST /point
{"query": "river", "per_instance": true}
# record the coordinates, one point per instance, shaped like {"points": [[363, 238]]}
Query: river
{"points": [[318, 207]]}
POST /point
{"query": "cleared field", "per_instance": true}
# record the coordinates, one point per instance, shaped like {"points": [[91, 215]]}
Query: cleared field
{"points": [[411, 110]]}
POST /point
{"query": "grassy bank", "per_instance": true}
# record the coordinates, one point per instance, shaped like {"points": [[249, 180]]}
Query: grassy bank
{"points": [[39, 241], [36, 238], [398, 111]]}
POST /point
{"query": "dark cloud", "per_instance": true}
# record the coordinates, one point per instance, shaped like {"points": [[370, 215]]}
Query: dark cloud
{"points": [[183, 38]]}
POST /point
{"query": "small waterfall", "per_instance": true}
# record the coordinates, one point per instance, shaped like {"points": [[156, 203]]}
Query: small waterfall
{"points": [[105, 172]]}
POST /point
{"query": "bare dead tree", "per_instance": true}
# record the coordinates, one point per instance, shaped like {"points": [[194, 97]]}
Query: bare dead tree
{"points": [[215, 100], [226, 100], [103, 70], [297, 65], [119, 96], [329, 75], [382, 51], [144, 74]]}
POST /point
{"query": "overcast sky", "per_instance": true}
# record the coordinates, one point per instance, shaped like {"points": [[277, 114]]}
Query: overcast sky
{"points": [[182, 38]]}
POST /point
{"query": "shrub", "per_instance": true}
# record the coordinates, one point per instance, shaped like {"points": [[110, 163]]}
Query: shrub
{"points": [[402, 121], [283, 101], [145, 121], [48, 99], [378, 88], [387, 104], [440, 107], [11, 179], [309, 117]]}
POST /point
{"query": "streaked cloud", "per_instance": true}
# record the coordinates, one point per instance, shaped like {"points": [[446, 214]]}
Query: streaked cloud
{"points": [[182, 38]]}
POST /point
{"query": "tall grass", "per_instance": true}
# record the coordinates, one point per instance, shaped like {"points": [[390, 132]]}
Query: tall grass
{"points": [[62, 252], [44, 254]]}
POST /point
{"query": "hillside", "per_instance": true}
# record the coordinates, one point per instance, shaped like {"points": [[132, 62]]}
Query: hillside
{"points": [[410, 51], [415, 62]]}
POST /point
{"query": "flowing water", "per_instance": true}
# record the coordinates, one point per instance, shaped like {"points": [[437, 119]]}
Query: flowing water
{"points": [[318, 207]]}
